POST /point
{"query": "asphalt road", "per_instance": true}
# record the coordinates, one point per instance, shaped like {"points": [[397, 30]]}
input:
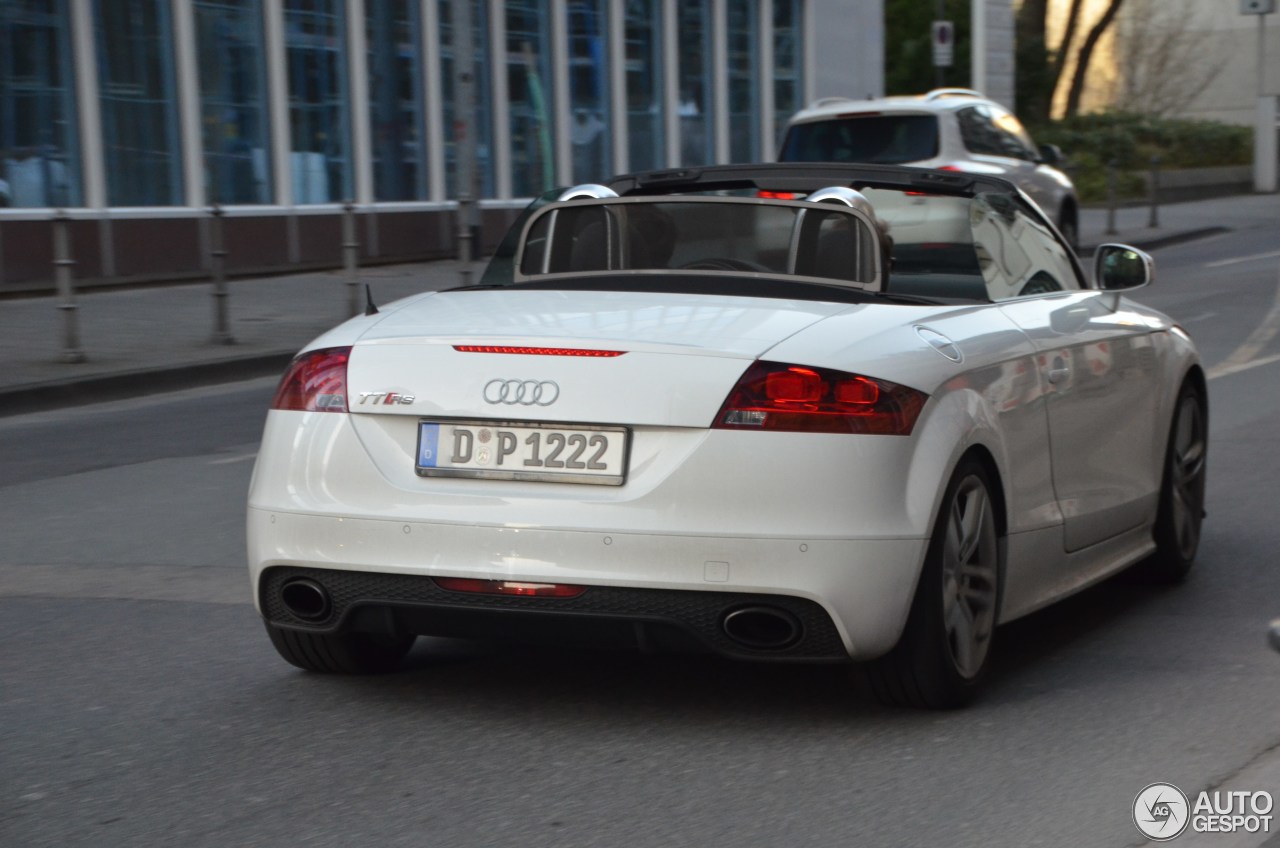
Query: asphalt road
{"points": [[141, 703]]}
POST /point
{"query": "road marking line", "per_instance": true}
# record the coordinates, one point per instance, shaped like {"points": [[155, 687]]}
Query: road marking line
{"points": [[1224, 370], [1237, 260], [1253, 345], [227, 460]]}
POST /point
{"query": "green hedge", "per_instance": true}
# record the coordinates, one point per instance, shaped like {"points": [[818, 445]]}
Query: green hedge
{"points": [[1091, 141]]}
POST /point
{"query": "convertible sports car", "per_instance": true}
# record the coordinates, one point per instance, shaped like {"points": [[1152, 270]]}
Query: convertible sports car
{"points": [[778, 412]]}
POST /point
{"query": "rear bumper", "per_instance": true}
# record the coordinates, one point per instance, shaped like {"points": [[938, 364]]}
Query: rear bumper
{"points": [[603, 616], [853, 594]]}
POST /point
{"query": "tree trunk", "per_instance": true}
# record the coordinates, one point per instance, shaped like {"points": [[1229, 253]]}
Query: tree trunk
{"points": [[1034, 94], [1085, 54], [1064, 47]]}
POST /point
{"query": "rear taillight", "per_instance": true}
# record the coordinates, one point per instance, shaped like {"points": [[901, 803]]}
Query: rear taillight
{"points": [[315, 382], [777, 195], [776, 396]]}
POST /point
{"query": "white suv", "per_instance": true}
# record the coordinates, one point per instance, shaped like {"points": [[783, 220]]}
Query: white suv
{"points": [[950, 128]]}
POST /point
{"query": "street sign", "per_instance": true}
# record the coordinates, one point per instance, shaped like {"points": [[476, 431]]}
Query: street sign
{"points": [[1257, 7], [944, 43]]}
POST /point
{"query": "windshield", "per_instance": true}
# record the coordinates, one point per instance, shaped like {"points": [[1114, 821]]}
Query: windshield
{"points": [[882, 139]]}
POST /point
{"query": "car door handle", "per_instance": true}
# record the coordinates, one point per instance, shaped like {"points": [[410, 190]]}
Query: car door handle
{"points": [[1060, 370]]}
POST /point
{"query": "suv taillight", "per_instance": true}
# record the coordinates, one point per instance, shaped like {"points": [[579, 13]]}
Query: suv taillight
{"points": [[796, 398], [315, 382]]}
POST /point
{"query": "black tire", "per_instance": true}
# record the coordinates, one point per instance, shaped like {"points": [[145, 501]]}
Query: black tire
{"points": [[1181, 509], [340, 653], [942, 656], [1069, 228]]}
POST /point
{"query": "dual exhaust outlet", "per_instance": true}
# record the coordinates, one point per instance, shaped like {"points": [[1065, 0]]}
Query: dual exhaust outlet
{"points": [[762, 627], [306, 599], [757, 627]]}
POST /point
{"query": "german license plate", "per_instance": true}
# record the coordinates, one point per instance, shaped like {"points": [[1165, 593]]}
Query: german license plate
{"points": [[547, 453]]}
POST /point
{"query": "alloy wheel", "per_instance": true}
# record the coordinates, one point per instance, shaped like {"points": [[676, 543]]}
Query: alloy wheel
{"points": [[970, 572]]}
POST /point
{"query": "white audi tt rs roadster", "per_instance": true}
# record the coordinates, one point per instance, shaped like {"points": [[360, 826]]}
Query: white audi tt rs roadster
{"points": [[778, 412]]}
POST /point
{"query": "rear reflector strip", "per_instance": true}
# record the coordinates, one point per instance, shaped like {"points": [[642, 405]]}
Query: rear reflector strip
{"points": [[509, 587], [536, 351]]}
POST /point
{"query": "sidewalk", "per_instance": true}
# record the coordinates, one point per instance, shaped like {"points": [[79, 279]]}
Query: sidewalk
{"points": [[148, 340]]}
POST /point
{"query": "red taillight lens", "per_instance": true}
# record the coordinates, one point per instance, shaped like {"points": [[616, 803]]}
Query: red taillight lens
{"points": [[776, 195], [794, 385], [315, 382], [509, 587], [775, 396]]}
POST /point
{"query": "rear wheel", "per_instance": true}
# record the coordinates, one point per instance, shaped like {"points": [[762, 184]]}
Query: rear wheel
{"points": [[1177, 530], [1069, 228], [942, 655], [340, 653]]}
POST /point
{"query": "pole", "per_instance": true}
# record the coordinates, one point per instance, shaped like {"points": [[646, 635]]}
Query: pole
{"points": [[350, 247], [1262, 54], [62, 263], [939, 72], [464, 96], [218, 264]]}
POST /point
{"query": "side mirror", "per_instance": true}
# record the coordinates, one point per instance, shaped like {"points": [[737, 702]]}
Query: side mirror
{"points": [[1051, 155], [1119, 267]]}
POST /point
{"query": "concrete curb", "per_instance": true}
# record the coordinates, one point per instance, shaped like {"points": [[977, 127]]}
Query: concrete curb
{"points": [[1157, 241], [76, 391]]}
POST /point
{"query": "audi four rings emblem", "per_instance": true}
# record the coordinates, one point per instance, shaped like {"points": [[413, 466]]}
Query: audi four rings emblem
{"points": [[522, 392]]}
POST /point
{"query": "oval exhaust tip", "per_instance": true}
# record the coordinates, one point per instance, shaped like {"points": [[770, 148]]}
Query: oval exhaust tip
{"points": [[762, 627], [305, 599]]}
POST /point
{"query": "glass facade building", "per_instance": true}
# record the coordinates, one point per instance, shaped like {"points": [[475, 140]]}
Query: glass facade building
{"points": [[290, 103], [39, 142]]}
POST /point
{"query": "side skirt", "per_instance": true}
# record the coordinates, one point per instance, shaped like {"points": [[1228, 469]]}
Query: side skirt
{"points": [[1039, 571]]}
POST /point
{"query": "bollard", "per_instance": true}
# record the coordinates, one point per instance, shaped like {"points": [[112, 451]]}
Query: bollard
{"points": [[1111, 198], [62, 264], [1154, 220], [349, 257], [218, 265], [465, 239]]}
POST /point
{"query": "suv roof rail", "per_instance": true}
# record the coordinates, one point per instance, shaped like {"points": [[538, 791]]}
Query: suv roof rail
{"points": [[827, 101], [939, 93]]}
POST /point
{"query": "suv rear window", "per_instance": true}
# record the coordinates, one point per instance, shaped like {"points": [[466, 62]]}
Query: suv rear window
{"points": [[881, 139]]}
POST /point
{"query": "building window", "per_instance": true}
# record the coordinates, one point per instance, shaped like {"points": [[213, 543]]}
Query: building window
{"points": [[233, 115], [697, 139], [529, 88], [39, 153], [645, 141], [395, 99], [139, 104], [788, 82], [744, 97], [589, 130], [319, 118], [481, 126]]}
